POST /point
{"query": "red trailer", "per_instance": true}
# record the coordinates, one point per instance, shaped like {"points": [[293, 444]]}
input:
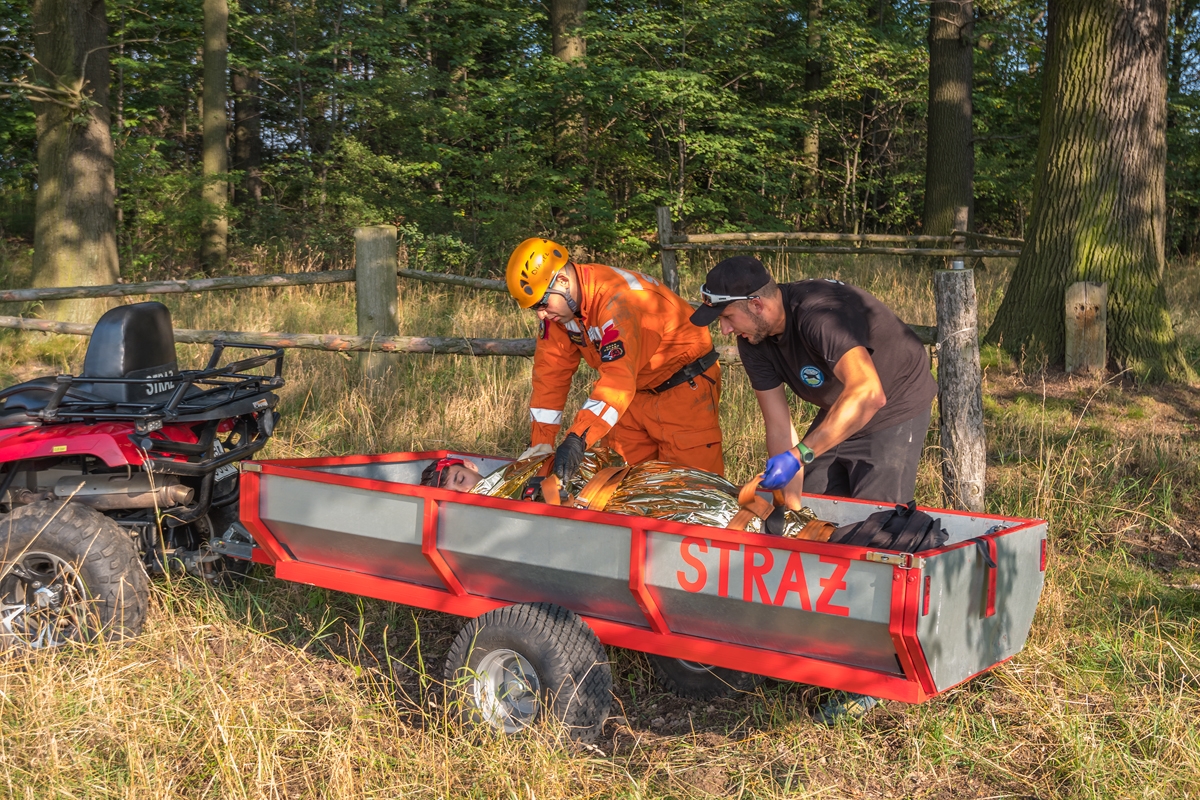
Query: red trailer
{"points": [[545, 587]]}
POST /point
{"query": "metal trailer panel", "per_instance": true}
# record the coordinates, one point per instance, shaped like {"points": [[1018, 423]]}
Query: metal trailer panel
{"points": [[957, 635], [406, 472], [776, 599], [833, 615], [514, 555], [376, 533]]}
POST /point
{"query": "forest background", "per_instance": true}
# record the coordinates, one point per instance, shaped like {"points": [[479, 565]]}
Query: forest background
{"points": [[453, 120]]}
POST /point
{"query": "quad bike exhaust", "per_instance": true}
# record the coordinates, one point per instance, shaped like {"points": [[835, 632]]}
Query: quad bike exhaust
{"points": [[117, 491]]}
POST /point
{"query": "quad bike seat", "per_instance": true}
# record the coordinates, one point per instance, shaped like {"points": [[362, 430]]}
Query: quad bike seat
{"points": [[133, 341]]}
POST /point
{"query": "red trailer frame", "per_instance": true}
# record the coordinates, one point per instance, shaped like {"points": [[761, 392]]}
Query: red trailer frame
{"points": [[909, 593]]}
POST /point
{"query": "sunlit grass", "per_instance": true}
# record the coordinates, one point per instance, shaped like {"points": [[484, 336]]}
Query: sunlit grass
{"points": [[282, 690]]}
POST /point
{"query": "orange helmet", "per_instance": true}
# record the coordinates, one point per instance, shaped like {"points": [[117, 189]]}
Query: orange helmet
{"points": [[532, 268]]}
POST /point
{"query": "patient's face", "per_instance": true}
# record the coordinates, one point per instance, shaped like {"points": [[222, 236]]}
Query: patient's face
{"points": [[461, 478]]}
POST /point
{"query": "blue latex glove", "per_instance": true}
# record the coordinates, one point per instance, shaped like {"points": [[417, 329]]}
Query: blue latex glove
{"points": [[780, 470]]}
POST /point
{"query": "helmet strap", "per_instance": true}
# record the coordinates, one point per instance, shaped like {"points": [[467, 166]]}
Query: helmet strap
{"points": [[571, 304]]}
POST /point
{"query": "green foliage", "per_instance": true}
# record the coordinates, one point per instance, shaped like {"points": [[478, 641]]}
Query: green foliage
{"points": [[453, 118]]}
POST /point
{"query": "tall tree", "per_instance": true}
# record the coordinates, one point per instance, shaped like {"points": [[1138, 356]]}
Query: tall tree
{"points": [[214, 240], [247, 134], [75, 233], [566, 22], [949, 151], [812, 84], [1099, 206]]}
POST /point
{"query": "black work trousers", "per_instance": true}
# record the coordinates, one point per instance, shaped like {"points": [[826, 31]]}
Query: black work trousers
{"points": [[878, 466]]}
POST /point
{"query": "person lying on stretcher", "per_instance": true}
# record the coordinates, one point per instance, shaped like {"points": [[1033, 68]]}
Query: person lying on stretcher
{"points": [[650, 489]]}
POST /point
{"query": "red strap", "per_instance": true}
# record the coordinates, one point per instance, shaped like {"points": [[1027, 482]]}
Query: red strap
{"points": [[992, 569]]}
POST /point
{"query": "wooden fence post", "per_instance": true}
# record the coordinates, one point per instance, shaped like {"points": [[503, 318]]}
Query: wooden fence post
{"points": [[377, 296], [1087, 321], [670, 266], [960, 390]]}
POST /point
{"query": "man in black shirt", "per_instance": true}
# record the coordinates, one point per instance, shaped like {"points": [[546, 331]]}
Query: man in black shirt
{"points": [[841, 349]]}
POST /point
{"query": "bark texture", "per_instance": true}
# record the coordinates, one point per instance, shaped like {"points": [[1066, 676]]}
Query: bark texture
{"points": [[247, 135], [75, 231], [812, 85], [949, 153], [566, 22], [1099, 209], [214, 239], [960, 391]]}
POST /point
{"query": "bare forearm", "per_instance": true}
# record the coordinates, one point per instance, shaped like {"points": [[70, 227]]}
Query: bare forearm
{"points": [[846, 417]]}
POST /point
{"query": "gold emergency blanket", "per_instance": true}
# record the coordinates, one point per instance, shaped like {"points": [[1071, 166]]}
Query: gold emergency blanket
{"points": [[510, 480], [650, 489]]}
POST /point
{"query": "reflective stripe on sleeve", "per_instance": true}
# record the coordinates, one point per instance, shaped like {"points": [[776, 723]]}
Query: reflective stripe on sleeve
{"points": [[630, 278], [602, 410], [546, 416], [594, 406]]}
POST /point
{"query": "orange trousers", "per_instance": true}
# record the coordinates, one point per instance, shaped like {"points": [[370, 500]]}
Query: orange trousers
{"points": [[681, 425]]}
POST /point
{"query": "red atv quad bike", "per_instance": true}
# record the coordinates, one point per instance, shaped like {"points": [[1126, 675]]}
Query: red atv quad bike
{"points": [[124, 471]]}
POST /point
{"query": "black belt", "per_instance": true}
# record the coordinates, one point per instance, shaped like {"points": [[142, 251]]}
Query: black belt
{"points": [[687, 374]]}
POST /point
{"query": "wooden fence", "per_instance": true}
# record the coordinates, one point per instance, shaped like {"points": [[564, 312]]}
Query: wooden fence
{"points": [[375, 267]]}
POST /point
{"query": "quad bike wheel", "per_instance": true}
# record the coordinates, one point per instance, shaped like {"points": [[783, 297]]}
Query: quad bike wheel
{"points": [[67, 574], [516, 665], [697, 681]]}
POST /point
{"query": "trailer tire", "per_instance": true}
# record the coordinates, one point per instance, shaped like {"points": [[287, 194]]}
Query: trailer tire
{"points": [[697, 681], [68, 574], [515, 665]]}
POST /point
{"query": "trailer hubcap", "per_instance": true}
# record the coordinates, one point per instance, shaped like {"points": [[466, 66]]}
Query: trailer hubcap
{"points": [[506, 689], [42, 602]]}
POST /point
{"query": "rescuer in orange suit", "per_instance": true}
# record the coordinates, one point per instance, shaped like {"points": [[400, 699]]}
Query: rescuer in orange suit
{"points": [[660, 384]]}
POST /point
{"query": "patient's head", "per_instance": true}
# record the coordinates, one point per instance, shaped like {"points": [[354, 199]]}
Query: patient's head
{"points": [[451, 473]]}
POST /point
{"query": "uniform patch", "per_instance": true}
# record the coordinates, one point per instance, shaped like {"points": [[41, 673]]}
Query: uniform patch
{"points": [[612, 351], [576, 337], [543, 331], [610, 335], [811, 376]]}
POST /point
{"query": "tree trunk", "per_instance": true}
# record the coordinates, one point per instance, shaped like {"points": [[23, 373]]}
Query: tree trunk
{"points": [[1099, 206], [949, 152], [566, 20], [75, 239], [812, 84], [214, 244], [247, 135]]}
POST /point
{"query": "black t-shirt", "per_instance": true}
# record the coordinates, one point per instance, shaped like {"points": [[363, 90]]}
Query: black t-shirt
{"points": [[825, 320]]}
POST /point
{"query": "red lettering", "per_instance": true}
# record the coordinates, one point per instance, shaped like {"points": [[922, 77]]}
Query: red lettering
{"points": [[693, 562], [723, 571], [752, 574], [793, 581], [833, 583]]}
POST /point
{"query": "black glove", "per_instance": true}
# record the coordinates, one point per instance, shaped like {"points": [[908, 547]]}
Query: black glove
{"points": [[776, 522], [568, 457]]}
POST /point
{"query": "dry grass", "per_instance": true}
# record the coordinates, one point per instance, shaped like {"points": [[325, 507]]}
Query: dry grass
{"points": [[281, 690]]}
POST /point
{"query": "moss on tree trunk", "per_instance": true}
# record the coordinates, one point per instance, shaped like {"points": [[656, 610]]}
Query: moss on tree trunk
{"points": [[1099, 209]]}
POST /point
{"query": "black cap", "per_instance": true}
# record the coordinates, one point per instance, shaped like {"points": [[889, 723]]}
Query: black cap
{"points": [[740, 276]]}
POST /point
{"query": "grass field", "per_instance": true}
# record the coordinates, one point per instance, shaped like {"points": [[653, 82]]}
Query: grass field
{"points": [[276, 690]]}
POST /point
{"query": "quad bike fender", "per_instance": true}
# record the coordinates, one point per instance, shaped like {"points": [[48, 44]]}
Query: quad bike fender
{"points": [[107, 441]]}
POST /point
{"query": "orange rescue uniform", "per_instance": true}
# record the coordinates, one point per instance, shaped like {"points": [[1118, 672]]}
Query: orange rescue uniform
{"points": [[636, 333]]}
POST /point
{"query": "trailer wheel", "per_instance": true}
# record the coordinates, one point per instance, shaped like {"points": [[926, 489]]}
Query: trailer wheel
{"points": [[697, 681], [67, 574], [515, 665]]}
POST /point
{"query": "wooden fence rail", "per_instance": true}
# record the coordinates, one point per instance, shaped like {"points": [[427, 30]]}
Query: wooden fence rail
{"points": [[338, 343], [232, 282]]}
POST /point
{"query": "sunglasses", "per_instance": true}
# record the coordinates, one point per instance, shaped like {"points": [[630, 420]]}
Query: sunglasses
{"points": [[713, 299]]}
